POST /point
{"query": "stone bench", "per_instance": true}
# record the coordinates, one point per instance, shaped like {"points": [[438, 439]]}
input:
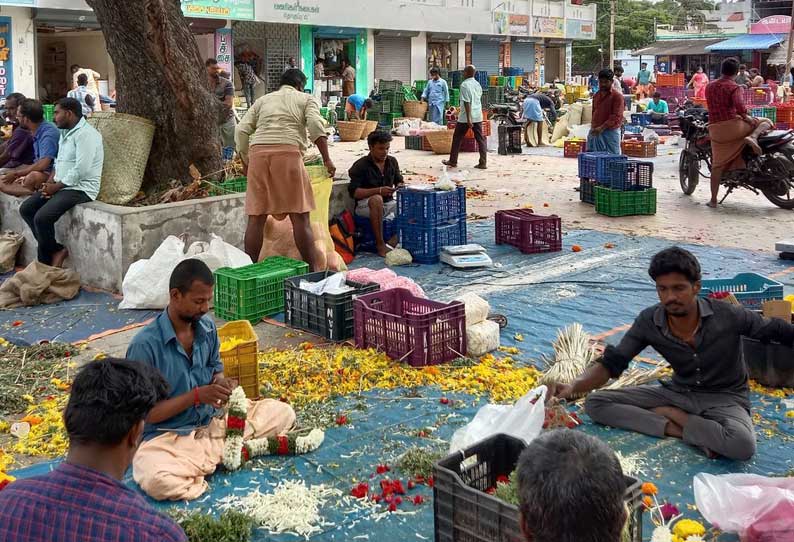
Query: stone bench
{"points": [[104, 240]]}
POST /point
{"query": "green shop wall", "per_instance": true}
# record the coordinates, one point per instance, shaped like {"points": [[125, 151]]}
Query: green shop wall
{"points": [[307, 35]]}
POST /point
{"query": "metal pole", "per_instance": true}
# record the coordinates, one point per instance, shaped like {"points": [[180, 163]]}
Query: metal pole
{"points": [[611, 34], [790, 39]]}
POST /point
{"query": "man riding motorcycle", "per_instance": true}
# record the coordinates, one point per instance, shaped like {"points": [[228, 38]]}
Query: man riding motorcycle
{"points": [[730, 126]]}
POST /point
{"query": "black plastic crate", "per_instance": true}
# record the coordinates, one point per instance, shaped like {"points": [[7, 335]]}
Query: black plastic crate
{"points": [[464, 512], [413, 143], [510, 139], [327, 315], [770, 364], [587, 190]]}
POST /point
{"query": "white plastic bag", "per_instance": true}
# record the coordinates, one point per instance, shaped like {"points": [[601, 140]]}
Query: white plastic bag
{"points": [[145, 285], [735, 502], [522, 420]]}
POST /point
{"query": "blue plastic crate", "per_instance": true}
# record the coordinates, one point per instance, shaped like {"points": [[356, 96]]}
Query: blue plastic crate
{"points": [[629, 175], [630, 129], [751, 289], [425, 242], [593, 165], [587, 190], [427, 207], [513, 71], [365, 237], [640, 119], [482, 78]]}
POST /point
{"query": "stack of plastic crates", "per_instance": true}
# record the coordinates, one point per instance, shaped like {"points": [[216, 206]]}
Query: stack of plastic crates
{"points": [[454, 97], [428, 220], [455, 79], [785, 116], [254, 291], [670, 80], [392, 102], [482, 78], [640, 119], [419, 86], [639, 149], [496, 95], [764, 112], [413, 143], [573, 147], [510, 139], [593, 170], [528, 232], [757, 96], [628, 190]]}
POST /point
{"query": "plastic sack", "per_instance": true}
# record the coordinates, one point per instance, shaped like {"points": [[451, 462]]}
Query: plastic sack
{"points": [[9, 247], [587, 113], [522, 420], [278, 239], [145, 285], [335, 284], [561, 129], [747, 504], [574, 115], [477, 309]]}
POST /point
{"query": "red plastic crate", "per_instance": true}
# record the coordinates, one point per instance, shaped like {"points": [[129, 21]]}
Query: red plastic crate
{"points": [[573, 147], [530, 233], [639, 149], [417, 331], [486, 129], [670, 80], [757, 96], [469, 144]]}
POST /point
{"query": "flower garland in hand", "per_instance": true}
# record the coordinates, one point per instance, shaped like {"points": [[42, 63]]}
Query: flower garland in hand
{"points": [[235, 451]]}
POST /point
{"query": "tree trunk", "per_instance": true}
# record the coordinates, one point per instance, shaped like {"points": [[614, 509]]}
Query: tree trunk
{"points": [[161, 76]]}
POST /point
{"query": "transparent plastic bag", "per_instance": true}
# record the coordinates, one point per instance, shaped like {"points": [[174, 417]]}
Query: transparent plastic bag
{"points": [[523, 420], [759, 508]]}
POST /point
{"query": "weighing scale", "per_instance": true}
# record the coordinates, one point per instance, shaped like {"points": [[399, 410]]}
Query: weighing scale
{"points": [[466, 256], [786, 249]]}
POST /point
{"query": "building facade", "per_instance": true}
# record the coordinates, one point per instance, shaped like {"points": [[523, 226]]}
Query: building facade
{"points": [[48, 36]]}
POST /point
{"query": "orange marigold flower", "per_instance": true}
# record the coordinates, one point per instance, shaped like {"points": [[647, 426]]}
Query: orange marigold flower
{"points": [[649, 489], [647, 501]]}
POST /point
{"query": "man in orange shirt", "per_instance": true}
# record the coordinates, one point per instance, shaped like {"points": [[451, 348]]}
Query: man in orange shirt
{"points": [[608, 107]]}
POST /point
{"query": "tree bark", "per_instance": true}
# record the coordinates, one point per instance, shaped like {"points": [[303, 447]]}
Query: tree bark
{"points": [[161, 76]]}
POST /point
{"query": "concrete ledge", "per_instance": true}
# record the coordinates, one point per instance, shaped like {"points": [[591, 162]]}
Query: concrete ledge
{"points": [[104, 240]]}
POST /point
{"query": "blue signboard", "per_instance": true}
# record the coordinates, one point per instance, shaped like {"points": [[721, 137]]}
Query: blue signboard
{"points": [[6, 58]]}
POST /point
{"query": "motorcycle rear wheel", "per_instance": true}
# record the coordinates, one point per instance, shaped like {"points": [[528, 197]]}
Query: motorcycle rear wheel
{"points": [[688, 172], [784, 202]]}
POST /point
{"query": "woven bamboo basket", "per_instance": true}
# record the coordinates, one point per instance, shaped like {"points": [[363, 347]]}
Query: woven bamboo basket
{"points": [[350, 130], [415, 110], [440, 140], [127, 141], [369, 127]]}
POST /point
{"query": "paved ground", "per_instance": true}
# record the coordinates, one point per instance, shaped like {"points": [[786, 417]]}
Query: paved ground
{"points": [[543, 176]]}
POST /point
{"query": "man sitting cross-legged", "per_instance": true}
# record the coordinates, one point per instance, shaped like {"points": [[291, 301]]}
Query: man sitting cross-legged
{"points": [[185, 433]]}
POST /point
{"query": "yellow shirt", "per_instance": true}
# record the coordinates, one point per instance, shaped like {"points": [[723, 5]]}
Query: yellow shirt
{"points": [[280, 118]]}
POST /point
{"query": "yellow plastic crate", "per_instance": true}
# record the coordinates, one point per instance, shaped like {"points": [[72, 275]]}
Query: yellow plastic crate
{"points": [[240, 362]]}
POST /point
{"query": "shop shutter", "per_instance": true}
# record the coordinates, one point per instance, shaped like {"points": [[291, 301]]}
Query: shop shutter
{"points": [[523, 56], [393, 59], [485, 56]]}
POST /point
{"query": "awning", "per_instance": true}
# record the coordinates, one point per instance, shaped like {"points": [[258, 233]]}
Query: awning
{"points": [[676, 47], [751, 42], [778, 54]]}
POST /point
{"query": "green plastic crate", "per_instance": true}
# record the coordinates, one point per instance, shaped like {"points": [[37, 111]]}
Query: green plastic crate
{"points": [[254, 291], [49, 112], [230, 186], [611, 202]]}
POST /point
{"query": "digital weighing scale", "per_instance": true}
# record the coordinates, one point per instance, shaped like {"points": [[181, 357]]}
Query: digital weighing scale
{"points": [[466, 256], [786, 249]]}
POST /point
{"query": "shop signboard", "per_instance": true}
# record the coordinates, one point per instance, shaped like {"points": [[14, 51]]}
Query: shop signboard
{"points": [[580, 30], [776, 24], [518, 25], [224, 51], [540, 64], [548, 27], [6, 57], [295, 11], [240, 10]]}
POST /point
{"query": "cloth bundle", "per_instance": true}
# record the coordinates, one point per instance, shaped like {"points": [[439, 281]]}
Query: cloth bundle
{"points": [[39, 284], [482, 335]]}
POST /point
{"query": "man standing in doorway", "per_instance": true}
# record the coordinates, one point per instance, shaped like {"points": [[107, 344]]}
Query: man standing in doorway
{"points": [[291, 64], [470, 118], [224, 91], [348, 79], [608, 106], [436, 95], [76, 179]]}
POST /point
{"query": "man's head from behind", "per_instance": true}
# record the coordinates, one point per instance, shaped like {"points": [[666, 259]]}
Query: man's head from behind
{"points": [[109, 402], [293, 78], [677, 275], [82, 80], [566, 474], [379, 143], [190, 290], [605, 78], [729, 67], [68, 113], [469, 71], [30, 113]]}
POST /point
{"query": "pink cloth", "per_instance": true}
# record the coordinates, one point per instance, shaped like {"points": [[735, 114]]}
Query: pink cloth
{"points": [[387, 279]]}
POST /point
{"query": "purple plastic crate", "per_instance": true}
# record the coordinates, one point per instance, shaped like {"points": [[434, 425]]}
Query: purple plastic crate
{"points": [[530, 233], [417, 331]]}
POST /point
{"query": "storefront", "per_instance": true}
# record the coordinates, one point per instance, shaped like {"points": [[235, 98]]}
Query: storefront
{"points": [[485, 51], [393, 55], [683, 55], [443, 49], [330, 46], [756, 47], [522, 54], [268, 47]]}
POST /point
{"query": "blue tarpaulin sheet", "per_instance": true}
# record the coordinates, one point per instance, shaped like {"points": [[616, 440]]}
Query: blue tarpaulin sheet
{"points": [[601, 288]]}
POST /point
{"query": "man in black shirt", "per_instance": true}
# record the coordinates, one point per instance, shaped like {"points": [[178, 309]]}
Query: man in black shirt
{"points": [[373, 181], [707, 402], [547, 104]]}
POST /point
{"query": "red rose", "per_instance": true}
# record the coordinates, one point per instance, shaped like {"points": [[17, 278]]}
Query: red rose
{"points": [[430, 482], [381, 469], [418, 499], [360, 491], [411, 484], [392, 507], [397, 487], [398, 500], [341, 420], [444, 401], [502, 479]]}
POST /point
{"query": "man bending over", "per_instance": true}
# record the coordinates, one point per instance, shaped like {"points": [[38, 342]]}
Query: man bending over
{"points": [[707, 402], [185, 433]]}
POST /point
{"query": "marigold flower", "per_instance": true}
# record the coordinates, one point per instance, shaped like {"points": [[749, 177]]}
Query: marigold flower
{"points": [[648, 488]]}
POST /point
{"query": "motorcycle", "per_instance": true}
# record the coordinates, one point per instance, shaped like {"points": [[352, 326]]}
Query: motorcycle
{"points": [[771, 173]]}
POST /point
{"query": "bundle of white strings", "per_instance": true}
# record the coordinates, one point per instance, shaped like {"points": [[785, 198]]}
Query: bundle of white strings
{"points": [[573, 353]]}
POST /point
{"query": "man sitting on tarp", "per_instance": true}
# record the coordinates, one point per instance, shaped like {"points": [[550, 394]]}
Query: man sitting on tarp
{"points": [[185, 434], [707, 401]]}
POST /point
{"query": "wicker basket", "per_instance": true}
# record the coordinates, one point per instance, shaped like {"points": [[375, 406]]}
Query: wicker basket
{"points": [[127, 141], [415, 110], [369, 127], [240, 363], [440, 140], [350, 130]]}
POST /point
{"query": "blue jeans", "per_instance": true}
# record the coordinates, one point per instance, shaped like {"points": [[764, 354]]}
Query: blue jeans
{"points": [[437, 113], [606, 141]]}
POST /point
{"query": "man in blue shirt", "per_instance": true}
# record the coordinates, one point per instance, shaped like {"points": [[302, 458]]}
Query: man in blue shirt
{"points": [[469, 118], [25, 180], [356, 107], [658, 109], [436, 95], [184, 434], [74, 180]]}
